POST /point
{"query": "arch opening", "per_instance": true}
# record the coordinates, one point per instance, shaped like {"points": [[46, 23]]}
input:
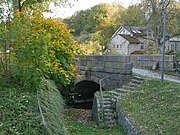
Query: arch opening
{"points": [[84, 94]]}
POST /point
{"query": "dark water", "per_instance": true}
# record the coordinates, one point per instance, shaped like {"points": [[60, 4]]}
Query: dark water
{"points": [[85, 105]]}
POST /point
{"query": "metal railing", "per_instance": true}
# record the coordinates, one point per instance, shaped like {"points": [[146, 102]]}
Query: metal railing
{"points": [[41, 113]]}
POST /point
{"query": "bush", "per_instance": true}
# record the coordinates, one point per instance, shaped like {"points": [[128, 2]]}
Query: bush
{"points": [[18, 113], [52, 105]]}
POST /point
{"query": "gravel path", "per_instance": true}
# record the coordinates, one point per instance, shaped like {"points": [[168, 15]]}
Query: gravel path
{"points": [[152, 74]]}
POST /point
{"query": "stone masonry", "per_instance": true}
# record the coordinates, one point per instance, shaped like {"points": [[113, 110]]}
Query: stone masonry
{"points": [[97, 67]]}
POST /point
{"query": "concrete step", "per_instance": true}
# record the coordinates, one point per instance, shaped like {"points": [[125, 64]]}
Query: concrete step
{"points": [[123, 91], [107, 102], [136, 81], [105, 96], [108, 110], [108, 117], [116, 97], [126, 87], [138, 78], [107, 99], [113, 92], [107, 106], [133, 84], [111, 123], [108, 114]]}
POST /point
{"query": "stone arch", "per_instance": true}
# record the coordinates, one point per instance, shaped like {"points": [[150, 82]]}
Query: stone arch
{"points": [[91, 78], [84, 96]]}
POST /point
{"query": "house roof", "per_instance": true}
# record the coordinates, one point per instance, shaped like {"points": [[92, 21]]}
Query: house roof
{"points": [[174, 39], [131, 39], [139, 31]]}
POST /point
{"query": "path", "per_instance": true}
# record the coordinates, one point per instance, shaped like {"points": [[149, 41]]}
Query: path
{"points": [[152, 74]]}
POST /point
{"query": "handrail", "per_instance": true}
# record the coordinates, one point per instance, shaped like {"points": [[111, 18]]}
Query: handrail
{"points": [[101, 92], [41, 113]]}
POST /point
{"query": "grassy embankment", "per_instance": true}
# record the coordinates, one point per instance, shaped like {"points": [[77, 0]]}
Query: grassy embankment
{"points": [[19, 113], [155, 109], [80, 123]]}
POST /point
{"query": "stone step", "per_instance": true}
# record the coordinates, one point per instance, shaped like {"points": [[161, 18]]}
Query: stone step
{"points": [[108, 110], [113, 92], [136, 81], [120, 90], [105, 96], [107, 99], [108, 117], [126, 87], [116, 97], [111, 123], [133, 84], [107, 106], [107, 102], [108, 114], [138, 78]]}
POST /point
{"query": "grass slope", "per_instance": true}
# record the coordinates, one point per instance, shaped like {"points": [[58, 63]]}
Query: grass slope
{"points": [[79, 123], [155, 109], [18, 113]]}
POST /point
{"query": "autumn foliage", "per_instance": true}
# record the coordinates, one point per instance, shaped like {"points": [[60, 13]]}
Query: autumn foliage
{"points": [[43, 48]]}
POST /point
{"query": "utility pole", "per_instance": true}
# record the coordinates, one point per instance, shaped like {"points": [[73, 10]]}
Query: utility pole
{"points": [[164, 39]]}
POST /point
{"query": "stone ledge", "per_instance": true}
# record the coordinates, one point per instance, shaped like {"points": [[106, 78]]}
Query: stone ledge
{"points": [[125, 123]]}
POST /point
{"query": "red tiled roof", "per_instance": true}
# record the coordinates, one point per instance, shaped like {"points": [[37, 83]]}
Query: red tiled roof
{"points": [[131, 39]]}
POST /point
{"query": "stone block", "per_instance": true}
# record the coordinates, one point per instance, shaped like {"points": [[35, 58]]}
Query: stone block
{"points": [[114, 65], [116, 58], [98, 58], [167, 65], [83, 63]]}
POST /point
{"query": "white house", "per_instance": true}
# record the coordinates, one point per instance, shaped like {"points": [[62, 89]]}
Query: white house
{"points": [[126, 41], [172, 45]]}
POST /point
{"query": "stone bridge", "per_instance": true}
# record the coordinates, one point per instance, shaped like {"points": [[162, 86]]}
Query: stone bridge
{"points": [[94, 68]]}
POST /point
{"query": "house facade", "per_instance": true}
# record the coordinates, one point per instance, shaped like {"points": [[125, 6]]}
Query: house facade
{"points": [[126, 41], [172, 45]]}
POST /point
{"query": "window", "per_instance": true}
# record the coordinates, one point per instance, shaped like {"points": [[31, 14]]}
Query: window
{"points": [[142, 47], [120, 47], [117, 46], [114, 46]]}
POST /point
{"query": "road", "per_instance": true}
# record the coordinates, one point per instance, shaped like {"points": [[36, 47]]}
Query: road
{"points": [[152, 74]]}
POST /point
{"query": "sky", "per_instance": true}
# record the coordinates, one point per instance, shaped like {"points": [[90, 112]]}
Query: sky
{"points": [[83, 5]]}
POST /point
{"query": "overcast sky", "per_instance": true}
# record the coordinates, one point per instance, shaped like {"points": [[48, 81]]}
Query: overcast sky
{"points": [[82, 5]]}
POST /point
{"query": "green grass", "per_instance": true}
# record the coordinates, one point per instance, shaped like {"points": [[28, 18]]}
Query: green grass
{"points": [[155, 109], [75, 127], [18, 113]]}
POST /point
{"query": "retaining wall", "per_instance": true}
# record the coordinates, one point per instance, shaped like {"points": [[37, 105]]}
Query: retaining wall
{"points": [[125, 123], [150, 60]]}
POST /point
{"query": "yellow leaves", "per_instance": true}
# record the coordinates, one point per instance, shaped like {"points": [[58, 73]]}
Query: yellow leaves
{"points": [[77, 76], [48, 39], [52, 43], [52, 52]]}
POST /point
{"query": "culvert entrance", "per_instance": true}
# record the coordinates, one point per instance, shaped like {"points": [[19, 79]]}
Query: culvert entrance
{"points": [[84, 94]]}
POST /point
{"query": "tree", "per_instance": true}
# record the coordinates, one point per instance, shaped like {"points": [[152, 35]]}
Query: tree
{"points": [[43, 48], [20, 4], [133, 16], [154, 12]]}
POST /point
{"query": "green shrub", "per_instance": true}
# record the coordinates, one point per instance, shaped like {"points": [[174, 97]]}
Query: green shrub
{"points": [[18, 113], [52, 105]]}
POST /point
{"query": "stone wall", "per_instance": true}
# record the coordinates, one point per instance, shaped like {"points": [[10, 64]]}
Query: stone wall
{"points": [[150, 60], [125, 123], [97, 67], [96, 109]]}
